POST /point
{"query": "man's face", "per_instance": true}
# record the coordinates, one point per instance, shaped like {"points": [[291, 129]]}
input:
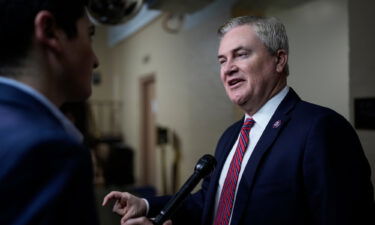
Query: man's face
{"points": [[78, 62], [247, 69]]}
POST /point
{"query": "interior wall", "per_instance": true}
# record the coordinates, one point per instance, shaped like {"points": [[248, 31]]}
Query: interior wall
{"points": [[103, 91], [190, 98], [319, 52], [362, 66]]}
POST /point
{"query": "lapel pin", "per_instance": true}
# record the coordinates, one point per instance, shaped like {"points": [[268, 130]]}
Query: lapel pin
{"points": [[277, 124]]}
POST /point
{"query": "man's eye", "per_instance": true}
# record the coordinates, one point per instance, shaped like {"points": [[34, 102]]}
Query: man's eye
{"points": [[242, 54]]}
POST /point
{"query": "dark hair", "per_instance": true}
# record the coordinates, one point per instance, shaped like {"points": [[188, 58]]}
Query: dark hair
{"points": [[17, 24]]}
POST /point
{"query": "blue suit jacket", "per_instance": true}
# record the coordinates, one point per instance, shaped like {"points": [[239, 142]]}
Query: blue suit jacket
{"points": [[45, 174], [310, 169]]}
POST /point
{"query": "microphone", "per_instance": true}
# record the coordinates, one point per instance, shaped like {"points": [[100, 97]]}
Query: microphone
{"points": [[205, 166]]}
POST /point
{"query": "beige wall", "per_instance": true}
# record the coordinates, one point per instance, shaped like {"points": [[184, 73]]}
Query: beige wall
{"points": [[190, 98], [319, 52], [103, 52]]}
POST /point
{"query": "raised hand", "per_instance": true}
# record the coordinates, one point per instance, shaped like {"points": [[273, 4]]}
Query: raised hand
{"points": [[126, 205]]}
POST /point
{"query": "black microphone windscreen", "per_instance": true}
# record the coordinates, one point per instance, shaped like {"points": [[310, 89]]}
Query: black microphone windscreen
{"points": [[205, 166]]}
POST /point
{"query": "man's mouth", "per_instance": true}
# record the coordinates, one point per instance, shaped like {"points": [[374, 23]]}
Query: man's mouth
{"points": [[234, 82]]}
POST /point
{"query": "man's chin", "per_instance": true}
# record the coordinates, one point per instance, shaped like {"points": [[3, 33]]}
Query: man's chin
{"points": [[242, 103], [239, 103]]}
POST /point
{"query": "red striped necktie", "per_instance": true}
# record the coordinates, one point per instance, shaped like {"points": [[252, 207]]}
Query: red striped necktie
{"points": [[226, 201]]}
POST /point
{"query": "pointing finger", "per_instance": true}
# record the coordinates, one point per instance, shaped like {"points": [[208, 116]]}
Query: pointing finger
{"points": [[112, 195]]}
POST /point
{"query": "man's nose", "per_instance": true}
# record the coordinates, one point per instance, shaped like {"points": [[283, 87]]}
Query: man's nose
{"points": [[230, 68]]}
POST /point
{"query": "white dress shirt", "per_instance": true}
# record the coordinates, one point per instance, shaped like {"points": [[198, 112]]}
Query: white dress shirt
{"points": [[261, 118]]}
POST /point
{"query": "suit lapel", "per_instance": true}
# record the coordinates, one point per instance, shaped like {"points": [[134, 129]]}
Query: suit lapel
{"points": [[270, 134]]}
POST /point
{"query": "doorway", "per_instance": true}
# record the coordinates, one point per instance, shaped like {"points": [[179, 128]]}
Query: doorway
{"points": [[148, 130]]}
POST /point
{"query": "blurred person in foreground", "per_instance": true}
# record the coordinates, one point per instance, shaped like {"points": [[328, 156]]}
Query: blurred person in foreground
{"points": [[46, 59], [287, 162]]}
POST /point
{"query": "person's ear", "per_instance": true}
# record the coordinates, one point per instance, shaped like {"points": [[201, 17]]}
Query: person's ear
{"points": [[281, 60], [46, 31]]}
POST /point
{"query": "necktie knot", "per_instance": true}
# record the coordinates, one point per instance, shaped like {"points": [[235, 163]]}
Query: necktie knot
{"points": [[248, 124]]}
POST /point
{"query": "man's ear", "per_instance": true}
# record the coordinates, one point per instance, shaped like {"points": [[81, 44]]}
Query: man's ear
{"points": [[281, 60], [46, 31]]}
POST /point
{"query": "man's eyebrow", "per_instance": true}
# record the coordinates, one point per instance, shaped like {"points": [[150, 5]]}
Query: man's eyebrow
{"points": [[239, 48], [233, 50]]}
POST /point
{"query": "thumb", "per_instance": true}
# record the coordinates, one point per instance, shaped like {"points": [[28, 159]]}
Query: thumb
{"points": [[168, 222]]}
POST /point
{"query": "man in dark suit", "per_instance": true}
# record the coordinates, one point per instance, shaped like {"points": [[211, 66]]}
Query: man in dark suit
{"points": [[286, 162], [46, 59]]}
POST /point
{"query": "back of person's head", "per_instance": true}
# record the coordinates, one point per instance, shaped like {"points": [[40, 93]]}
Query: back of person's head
{"points": [[17, 24], [270, 31]]}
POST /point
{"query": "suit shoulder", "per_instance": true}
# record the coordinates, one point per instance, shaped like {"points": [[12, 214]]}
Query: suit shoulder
{"points": [[311, 116], [22, 132], [310, 110]]}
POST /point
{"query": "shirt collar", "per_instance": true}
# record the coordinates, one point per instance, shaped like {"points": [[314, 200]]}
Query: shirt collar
{"points": [[264, 114], [67, 124]]}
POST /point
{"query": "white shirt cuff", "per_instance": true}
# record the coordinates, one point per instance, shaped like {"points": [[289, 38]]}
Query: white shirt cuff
{"points": [[147, 205]]}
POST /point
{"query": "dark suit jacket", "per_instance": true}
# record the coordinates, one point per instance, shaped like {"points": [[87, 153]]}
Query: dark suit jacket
{"points": [[310, 169], [45, 174]]}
